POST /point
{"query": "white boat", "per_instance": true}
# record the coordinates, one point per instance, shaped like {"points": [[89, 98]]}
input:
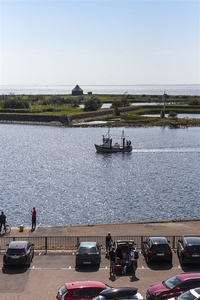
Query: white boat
{"points": [[107, 147]]}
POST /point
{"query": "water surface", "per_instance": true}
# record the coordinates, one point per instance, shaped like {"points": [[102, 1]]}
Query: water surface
{"points": [[57, 170]]}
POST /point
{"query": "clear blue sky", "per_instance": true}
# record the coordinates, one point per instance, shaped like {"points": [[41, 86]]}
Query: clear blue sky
{"points": [[99, 42]]}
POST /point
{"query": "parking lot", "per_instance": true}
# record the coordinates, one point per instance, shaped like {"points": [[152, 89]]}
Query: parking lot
{"points": [[48, 272]]}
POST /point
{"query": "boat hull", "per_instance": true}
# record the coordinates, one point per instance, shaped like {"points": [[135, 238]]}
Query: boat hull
{"points": [[102, 149]]}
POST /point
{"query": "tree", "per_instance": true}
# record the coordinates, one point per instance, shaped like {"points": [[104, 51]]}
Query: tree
{"points": [[92, 104], [172, 114]]}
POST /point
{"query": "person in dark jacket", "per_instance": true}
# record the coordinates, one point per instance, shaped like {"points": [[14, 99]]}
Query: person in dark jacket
{"points": [[33, 213], [2, 221], [109, 242], [112, 261]]}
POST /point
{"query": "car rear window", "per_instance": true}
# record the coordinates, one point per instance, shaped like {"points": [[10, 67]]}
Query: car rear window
{"points": [[15, 251], [193, 248], [157, 247], [87, 250]]}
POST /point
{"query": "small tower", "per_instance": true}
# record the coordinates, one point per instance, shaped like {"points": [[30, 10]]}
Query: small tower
{"points": [[77, 91]]}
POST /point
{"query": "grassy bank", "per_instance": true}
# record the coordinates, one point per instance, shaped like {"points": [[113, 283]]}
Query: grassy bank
{"points": [[65, 109]]}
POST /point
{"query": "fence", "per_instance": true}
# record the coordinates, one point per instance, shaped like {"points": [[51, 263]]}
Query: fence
{"points": [[68, 244]]}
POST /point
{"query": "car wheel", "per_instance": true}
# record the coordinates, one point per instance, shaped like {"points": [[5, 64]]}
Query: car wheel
{"points": [[29, 262], [181, 261], [147, 259]]}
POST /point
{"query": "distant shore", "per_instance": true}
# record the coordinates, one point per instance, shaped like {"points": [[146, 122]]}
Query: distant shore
{"points": [[108, 124]]}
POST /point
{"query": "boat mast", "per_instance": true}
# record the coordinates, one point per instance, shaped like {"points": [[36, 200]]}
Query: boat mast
{"points": [[123, 139]]}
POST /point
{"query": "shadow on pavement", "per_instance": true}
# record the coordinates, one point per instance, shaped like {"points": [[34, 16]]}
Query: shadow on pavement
{"points": [[13, 270], [87, 269]]}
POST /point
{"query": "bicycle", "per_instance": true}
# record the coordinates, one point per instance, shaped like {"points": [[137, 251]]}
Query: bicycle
{"points": [[7, 229]]}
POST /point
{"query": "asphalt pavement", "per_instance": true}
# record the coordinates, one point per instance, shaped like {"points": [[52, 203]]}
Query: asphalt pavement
{"points": [[48, 272], [159, 228]]}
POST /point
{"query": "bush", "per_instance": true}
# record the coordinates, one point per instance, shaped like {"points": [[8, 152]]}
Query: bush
{"points": [[116, 103], [194, 102], [17, 104], [172, 114], [92, 104]]}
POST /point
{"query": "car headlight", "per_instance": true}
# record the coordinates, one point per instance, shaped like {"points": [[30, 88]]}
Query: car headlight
{"points": [[157, 293]]}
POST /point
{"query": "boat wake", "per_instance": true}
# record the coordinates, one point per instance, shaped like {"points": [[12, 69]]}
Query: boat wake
{"points": [[167, 150]]}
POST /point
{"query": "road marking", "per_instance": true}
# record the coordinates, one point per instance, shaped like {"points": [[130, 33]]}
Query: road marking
{"points": [[100, 269]]}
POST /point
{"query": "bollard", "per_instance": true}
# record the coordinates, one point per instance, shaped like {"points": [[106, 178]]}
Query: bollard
{"points": [[21, 228]]}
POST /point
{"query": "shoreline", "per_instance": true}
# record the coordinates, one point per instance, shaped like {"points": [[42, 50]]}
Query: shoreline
{"points": [[141, 228], [108, 124]]}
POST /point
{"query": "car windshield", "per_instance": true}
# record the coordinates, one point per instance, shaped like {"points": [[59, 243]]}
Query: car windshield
{"points": [[62, 291], [171, 282], [107, 287], [15, 251], [186, 296], [87, 250], [99, 298], [160, 247]]}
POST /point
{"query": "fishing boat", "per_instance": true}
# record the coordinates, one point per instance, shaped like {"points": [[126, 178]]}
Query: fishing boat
{"points": [[107, 147]]}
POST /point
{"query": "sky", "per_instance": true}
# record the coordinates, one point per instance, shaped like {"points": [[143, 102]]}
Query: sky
{"points": [[112, 42]]}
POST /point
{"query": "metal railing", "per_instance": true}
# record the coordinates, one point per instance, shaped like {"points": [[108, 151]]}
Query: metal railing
{"points": [[68, 244]]}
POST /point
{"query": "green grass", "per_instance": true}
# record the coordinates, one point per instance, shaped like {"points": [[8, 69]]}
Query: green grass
{"points": [[128, 115]]}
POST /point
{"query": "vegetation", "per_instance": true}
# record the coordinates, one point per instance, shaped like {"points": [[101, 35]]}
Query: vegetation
{"points": [[121, 112], [92, 104]]}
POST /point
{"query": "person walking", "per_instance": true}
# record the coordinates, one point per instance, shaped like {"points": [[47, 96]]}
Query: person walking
{"points": [[33, 213], [133, 260], [2, 221], [112, 261]]}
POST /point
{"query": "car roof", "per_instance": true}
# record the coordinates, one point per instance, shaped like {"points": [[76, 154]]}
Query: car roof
{"points": [[84, 284], [17, 244], [188, 275], [88, 244], [158, 239], [192, 240]]}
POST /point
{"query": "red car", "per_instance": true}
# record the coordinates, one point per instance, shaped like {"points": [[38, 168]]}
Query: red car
{"points": [[173, 286], [81, 290]]}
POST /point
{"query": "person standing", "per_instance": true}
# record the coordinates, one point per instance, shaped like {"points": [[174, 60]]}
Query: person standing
{"points": [[33, 213], [2, 221], [112, 261], [108, 243], [133, 259]]}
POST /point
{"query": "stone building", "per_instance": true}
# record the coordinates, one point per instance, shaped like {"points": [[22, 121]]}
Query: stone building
{"points": [[77, 91]]}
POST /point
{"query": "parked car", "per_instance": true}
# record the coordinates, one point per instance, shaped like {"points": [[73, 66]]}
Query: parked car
{"points": [[188, 250], [193, 294], [173, 286], [88, 253], [125, 293], [81, 290], [124, 247], [18, 253], [156, 248]]}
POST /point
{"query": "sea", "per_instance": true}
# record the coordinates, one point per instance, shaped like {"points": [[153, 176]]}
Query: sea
{"points": [[170, 89], [57, 170]]}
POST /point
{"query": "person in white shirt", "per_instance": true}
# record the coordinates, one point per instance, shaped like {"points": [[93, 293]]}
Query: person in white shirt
{"points": [[133, 260]]}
